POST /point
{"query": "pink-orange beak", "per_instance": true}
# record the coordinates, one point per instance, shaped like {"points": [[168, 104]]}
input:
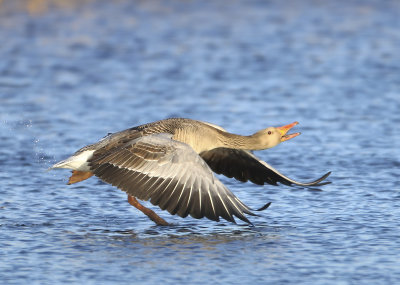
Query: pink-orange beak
{"points": [[283, 130]]}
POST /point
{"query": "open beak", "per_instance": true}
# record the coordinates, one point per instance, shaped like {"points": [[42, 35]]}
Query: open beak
{"points": [[283, 130]]}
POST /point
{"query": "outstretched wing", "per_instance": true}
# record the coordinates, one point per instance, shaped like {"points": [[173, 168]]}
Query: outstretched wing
{"points": [[244, 166], [172, 175]]}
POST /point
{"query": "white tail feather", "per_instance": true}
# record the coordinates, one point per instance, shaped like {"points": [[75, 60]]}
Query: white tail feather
{"points": [[76, 162]]}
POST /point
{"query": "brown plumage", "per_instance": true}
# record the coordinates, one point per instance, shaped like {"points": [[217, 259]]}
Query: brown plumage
{"points": [[170, 163]]}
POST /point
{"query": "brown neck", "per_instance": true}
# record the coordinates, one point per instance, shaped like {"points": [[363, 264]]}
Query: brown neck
{"points": [[252, 142]]}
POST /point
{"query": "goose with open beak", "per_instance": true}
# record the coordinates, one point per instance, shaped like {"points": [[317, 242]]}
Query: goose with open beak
{"points": [[171, 163]]}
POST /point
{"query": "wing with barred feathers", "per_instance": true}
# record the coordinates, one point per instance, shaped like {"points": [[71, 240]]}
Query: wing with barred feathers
{"points": [[171, 175]]}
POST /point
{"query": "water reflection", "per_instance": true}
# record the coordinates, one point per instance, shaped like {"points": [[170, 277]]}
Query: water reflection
{"points": [[182, 246], [178, 237]]}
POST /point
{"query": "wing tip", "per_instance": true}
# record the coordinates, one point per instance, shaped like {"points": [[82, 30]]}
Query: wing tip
{"points": [[266, 206], [315, 182], [323, 177]]}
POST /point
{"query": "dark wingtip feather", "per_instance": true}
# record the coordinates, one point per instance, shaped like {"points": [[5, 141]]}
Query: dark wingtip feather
{"points": [[264, 207], [251, 224], [244, 219], [323, 177], [323, 183], [315, 182]]}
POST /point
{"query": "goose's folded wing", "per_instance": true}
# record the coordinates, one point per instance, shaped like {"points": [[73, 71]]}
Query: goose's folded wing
{"points": [[244, 166], [172, 175]]}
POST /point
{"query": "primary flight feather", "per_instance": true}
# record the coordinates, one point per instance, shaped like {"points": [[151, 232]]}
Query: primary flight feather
{"points": [[171, 163]]}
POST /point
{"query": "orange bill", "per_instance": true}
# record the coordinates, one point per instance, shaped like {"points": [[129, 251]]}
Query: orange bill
{"points": [[284, 129]]}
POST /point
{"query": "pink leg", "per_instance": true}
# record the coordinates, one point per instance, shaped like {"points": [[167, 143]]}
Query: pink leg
{"points": [[148, 212]]}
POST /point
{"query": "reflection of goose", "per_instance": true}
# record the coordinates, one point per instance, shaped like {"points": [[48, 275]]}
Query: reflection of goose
{"points": [[171, 161]]}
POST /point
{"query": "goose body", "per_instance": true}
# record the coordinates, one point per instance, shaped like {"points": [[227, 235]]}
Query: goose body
{"points": [[171, 163]]}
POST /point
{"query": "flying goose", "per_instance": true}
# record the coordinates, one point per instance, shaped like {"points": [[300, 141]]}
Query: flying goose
{"points": [[171, 163]]}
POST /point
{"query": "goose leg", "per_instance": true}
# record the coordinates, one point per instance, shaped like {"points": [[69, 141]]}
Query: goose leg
{"points": [[148, 212]]}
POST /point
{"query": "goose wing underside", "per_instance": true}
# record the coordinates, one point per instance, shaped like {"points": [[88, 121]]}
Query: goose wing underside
{"points": [[245, 166], [171, 175]]}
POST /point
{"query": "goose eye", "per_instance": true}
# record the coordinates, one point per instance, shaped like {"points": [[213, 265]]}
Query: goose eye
{"points": [[269, 132]]}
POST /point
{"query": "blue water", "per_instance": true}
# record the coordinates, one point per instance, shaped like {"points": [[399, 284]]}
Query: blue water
{"points": [[72, 71]]}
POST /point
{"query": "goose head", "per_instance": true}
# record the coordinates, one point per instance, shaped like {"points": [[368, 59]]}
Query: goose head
{"points": [[273, 136]]}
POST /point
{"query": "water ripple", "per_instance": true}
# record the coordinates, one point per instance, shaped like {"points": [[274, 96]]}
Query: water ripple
{"points": [[70, 73]]}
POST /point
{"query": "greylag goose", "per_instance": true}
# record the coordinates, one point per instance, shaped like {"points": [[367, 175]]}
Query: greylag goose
{"points": [[171, 163]]}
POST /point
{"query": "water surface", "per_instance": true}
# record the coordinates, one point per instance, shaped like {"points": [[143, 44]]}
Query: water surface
{"points": [[72, 71]]}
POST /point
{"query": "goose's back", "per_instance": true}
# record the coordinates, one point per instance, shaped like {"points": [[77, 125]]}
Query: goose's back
{"points": [[200, 136]]}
